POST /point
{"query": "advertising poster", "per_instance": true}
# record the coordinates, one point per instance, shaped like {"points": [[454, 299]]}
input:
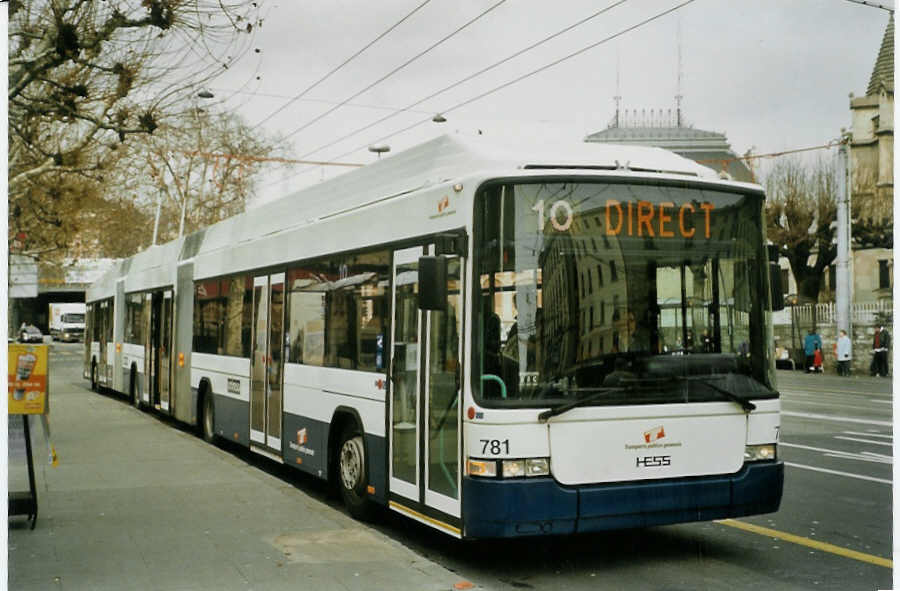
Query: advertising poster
{"points": [[28, 379]]}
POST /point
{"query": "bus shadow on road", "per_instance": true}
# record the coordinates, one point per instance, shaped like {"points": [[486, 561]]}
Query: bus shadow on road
{"points": [[543, 555]]}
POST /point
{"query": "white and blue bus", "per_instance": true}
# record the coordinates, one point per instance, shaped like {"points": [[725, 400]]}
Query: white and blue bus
{"points": [[493, 340]]}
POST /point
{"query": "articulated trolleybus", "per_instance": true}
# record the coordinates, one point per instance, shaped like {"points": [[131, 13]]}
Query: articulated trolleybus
{"points": [[494, 341]]}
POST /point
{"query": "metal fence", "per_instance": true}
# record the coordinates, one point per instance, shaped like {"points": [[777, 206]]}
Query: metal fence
{"points": [[865, 314]]}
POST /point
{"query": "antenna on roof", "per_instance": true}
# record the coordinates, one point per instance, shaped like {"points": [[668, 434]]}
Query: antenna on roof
{"points": [[618, 97], [678, 95]]}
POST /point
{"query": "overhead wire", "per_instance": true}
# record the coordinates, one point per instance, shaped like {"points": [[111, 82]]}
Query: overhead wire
{"points": [[510, 82], [397, 69], [342, 64], [873, 5], [254, 93], [826, 146], [470, 77]]}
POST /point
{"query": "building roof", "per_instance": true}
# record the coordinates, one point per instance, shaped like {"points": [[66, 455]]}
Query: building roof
{"points": [[670, 138], [883, 72]]}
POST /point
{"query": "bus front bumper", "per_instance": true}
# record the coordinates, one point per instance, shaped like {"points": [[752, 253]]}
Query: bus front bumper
{"points": [[497, 508]]}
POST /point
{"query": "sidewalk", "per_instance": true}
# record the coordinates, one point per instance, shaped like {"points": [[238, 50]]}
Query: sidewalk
{"points": [[871, 384], [136, 503]]}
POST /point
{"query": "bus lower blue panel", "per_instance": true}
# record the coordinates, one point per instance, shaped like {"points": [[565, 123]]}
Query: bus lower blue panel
{"points": [[508, 508], [232, 418], [755, 489], [376, 448], [306, 444], [536, 506]]}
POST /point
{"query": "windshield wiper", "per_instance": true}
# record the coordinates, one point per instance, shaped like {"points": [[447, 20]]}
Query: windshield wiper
{"points": [[745, 404], [596, 395]]}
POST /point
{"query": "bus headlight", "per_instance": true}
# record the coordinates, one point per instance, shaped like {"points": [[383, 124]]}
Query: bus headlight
{"points": [[756, 453], [513, 468], [537, 467], [483, 468]]}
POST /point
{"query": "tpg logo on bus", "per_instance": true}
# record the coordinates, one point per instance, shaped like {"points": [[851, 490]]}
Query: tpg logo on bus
{"points": [[654, 434]]}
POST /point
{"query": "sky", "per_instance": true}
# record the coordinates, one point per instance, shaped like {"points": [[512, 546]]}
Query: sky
{"points": [[773, 75]]}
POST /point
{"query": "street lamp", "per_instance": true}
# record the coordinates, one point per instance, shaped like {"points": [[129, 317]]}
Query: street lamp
{"points": [[379, 149]]}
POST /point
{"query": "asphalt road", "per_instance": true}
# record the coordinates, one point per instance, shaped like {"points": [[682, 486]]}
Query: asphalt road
{"points": [[833, 530]]}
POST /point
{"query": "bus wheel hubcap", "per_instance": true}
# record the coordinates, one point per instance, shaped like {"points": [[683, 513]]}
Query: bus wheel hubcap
{"points": [[351, 462], [207, 418]]}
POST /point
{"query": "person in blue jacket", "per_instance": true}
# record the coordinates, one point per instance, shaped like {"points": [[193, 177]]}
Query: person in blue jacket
{"points": [[811, 342]]}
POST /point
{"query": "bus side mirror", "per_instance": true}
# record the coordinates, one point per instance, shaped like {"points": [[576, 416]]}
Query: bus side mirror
{"points": [[777, 287], [432, 283]]}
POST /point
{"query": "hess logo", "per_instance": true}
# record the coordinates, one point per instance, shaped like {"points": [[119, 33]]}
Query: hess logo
{"points": [[653, 461]]}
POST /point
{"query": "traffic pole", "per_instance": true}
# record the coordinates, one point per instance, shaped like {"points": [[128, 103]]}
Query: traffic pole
{"points": [[842, 266]]}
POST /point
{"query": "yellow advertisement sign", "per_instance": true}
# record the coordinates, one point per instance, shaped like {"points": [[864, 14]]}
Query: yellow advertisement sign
{"points": [[28, 379]]}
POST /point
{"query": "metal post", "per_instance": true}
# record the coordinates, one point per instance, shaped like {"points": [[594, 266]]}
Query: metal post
{"points": [[156, 221], [183, 208], [842, 280]]}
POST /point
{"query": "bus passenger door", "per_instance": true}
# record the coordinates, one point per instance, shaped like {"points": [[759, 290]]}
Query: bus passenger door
{"points": [[267, 364], [160, 340], [425, 391], [103, 318], [405, 382], [443, 385]]}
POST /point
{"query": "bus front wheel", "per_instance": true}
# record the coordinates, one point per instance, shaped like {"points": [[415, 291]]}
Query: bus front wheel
{"points": [[209, 418], [352, 477], [94, 377]]}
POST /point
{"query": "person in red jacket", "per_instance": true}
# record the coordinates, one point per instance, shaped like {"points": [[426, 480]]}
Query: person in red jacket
{"points": [[817, 360]]}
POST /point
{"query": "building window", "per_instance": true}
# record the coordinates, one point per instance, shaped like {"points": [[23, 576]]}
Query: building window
{"points": [[884, 274], [832, 277]]}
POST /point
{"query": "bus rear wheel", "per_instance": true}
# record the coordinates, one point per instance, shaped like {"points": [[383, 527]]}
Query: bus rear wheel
{"points": [[209, 418], [94, 377], [353, 479]]}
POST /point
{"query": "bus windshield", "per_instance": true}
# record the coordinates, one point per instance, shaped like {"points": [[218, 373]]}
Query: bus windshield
{"points": [[619, 294]]}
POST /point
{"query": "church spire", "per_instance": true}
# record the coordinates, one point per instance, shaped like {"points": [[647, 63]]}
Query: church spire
{"points": [[883, 72]]}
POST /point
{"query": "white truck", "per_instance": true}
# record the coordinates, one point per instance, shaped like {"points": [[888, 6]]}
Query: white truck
{"points": [[67, 321]]}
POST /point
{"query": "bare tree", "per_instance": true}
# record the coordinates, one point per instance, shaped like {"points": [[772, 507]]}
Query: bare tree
{"points": [[84, 76], [801, 208], [198, 169]]}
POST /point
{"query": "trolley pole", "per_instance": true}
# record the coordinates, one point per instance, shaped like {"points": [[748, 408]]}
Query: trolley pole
{"points": [[842, 280]]}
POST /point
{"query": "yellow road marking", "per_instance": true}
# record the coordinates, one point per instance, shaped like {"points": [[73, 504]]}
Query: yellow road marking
{"points": [[823, 546]]}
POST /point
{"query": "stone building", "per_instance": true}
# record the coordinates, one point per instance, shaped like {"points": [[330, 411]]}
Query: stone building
{"points": [[872, 172]]}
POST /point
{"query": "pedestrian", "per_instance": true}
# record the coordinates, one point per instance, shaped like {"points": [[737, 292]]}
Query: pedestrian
{"points": [[844, 353], [811, 342], [881, 344], [817, 360]]}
